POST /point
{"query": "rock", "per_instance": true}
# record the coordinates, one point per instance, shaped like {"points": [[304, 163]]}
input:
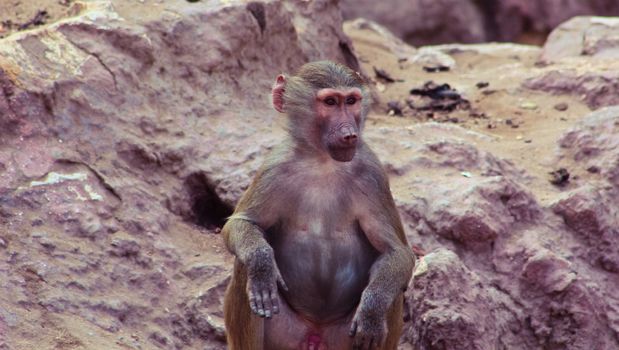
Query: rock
{"points": [[586, 211], [557, 292], [129, 132], [125, 248], [477, 214], [421, 22], [361, 28], [515, 256], [509, 19], [202, 270], [591, 212], [594, 37], [559, 177], [123, 311], [199, 317], [548, 272], [471, 210], [594, 143], [433, 58], [448, 307], [569, 321], [597, 88]]}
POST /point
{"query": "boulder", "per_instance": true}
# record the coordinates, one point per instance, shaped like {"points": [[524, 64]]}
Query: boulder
{"points": [[597, 87], [362, 29], [422, 22], [591, 213], [593, 144], [512, 18], [450, 307], [595, 37]]}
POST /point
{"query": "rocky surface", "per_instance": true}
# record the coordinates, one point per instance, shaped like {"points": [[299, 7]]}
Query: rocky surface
{"points": [[564, 71], [599, 39], [128, 132], [513, 18], [423, 22]]}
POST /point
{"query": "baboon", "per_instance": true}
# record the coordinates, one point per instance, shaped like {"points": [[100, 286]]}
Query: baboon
{"points": [[321, 257]]}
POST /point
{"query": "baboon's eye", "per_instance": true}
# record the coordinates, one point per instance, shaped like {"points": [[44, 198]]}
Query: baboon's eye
{"points": [[351, 100], [330, 101]]}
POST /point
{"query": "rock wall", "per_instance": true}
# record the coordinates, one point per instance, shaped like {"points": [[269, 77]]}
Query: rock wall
{"points": [[127, 133], [426, 22]]}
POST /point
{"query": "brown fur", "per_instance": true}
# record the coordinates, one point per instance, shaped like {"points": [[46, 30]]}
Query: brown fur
{"points": [[313, 186], [237, 312]]}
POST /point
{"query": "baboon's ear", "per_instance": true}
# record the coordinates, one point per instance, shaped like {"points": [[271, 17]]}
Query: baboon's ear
{"points": [[278, 93]]}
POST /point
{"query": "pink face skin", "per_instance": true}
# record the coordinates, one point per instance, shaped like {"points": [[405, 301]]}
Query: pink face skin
{"points": [[335, 103], [340, 110]]}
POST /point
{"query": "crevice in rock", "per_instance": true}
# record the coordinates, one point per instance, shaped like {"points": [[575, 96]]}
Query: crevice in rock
{"points": [[98, 58], [504, 291], [207, 209]]}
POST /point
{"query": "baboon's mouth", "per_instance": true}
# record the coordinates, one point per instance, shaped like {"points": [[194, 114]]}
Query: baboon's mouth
{"points": [[342, 154]]}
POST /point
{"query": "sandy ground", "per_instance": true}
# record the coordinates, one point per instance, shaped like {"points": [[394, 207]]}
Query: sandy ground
{"points": [[524, 125], [16, 13]]}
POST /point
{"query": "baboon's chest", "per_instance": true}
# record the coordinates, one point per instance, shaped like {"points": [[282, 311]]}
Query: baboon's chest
{"points": [[323, 255]]}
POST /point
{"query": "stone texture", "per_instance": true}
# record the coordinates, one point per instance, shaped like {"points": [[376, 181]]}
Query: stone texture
{"points": [[591, 213], [594, 144], [500, 269], [597, 38], [448, 306], [599, 88], [128, 132], [119, 139], [365, 28], [422, 22], [580, 59]]}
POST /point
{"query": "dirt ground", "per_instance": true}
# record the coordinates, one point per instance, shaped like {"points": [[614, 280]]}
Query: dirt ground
{"points": [[524, 125], [18, 15]]}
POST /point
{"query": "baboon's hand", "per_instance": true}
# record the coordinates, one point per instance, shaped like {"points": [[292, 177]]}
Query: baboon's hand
{"points": [[262, 279], [368, 329]]}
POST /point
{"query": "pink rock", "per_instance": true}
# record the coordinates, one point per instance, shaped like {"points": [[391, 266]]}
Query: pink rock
{"points": [[597, 89], [548, 272], [594, 143], [33, 157], [448, 306], [421, 22], [594, 37], [591, 212]]}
